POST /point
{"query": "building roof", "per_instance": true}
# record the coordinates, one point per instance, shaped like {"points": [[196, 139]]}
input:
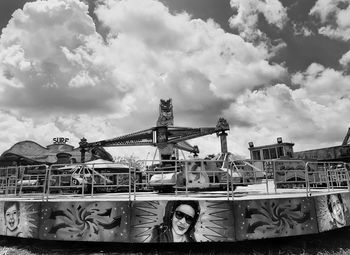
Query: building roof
{"points": [[270, 146], [32, 152]]}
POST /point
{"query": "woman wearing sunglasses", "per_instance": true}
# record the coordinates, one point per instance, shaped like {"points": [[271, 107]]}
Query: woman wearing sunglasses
{"points": [[179, 220]]}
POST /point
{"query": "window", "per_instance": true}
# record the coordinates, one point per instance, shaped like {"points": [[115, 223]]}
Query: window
{"points": [[280, 152], [273, 153], [256, 155], [266, 154]]}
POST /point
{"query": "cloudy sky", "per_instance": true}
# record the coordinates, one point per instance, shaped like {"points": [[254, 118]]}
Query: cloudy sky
{"points": [[98, 69]]}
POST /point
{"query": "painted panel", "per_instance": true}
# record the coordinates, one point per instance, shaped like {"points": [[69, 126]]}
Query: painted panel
{"points": [[333, 211], [346, 201], [182, 221], [19, 219], [85, 221], [258, 219]]}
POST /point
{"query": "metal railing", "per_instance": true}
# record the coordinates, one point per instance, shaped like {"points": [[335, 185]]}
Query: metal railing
{"points": [[327, 175], [181, 177]]}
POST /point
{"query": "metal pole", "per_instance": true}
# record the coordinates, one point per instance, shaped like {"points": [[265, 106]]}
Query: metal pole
{"points": [[347, 177], [48, 184], [274, 178], [223, 141], [82, 144], [135, 182], [45, 183], [93, 180], [228, 180], [129, 181], [83, 185], [186, 178], [176, 162], [16, 180], [232, 191], [307, 179], [7, 181]]}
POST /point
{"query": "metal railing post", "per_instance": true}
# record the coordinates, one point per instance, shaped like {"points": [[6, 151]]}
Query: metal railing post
{"points": [[83, 185], [7, 182], [232, 191], [129, 181], [45, 181], [327, 177], [186, 178], [135, 182], [228, 180], [307, 179], [47, 192], [21, 182], [274, 180], [176, 165], [16, 180], [347, 177], [93, 180]]}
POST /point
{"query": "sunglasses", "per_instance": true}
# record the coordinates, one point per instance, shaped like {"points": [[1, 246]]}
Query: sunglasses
{"points": [[179, 215]]}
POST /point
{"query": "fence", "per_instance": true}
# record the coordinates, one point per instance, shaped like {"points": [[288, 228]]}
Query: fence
{"points": [[180, 177]]}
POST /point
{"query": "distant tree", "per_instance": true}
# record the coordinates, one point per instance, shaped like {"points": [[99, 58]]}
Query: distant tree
{"points": [[130, 160]]}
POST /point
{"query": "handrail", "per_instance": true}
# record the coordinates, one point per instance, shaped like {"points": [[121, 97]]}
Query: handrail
{"points": [[16, 181]]}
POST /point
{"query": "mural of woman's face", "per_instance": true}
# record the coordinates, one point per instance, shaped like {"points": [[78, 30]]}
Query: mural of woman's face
{"points": [[182, 219], [338, 212], [12, 217]]}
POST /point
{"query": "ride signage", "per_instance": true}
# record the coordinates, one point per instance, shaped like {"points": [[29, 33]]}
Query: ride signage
{"points": [[60, 140]]}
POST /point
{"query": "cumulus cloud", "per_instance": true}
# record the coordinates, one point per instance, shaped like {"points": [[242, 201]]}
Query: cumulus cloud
{"points": [[313, 115], [58, 77], [55, 68], [335, 17], [301, 29], [17, 129], [48, 58], [247, 17], [345, 59], [185, 49], [323, 85]]}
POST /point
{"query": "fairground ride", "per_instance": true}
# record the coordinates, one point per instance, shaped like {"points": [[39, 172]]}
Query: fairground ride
{"points": [[167, 138]]}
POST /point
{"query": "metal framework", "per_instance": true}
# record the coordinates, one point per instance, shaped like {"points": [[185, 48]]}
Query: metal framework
{"points": [[346, 138], [162, 136]]}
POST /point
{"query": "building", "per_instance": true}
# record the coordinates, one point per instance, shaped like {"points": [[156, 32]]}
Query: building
{"points": [[279, 150], [282, 150], [32, 153], [335, 153]]}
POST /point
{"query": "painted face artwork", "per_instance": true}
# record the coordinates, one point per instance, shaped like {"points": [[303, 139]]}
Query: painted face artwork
{"points": [[12, 218], [182, 219], [337, 210]]}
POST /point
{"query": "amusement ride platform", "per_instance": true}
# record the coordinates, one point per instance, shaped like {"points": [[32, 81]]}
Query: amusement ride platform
{"points": [[254, 200]]}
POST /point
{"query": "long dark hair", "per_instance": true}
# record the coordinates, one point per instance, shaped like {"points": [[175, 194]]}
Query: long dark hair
{"points": [[170, 210]]}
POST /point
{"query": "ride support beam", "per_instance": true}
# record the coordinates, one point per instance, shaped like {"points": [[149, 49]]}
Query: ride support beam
{"points": [[164, 137], [82, 145], [346, 138], [223, 141]]}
